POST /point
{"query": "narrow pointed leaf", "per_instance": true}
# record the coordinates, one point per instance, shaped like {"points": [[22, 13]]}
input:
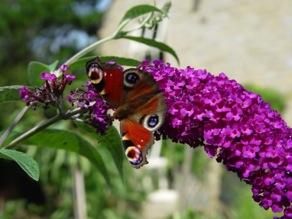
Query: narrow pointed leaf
{"points": [[28, 164], [69, 141], [138, 11], [111, 140], [33, 73], [52, 67], [120, 60], [153, 43]]}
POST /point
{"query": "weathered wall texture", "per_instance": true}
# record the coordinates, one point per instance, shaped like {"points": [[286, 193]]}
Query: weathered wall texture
{"points": [[249, 40]]}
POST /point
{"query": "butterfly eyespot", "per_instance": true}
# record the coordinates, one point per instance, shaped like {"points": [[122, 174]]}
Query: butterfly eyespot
{"points": [[95, 73], [152, 122], [131, 78], [134, 155]]}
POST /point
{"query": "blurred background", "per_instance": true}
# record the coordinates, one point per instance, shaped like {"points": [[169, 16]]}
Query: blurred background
{"points": [[251, 41]]}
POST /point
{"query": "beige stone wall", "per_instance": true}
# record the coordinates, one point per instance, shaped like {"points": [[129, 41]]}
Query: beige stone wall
{"points": [[249, 40]]}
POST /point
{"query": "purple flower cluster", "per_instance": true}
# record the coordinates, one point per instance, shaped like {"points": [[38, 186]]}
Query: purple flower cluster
{"points": [[234, 125], [48, 93], [96, 107]]}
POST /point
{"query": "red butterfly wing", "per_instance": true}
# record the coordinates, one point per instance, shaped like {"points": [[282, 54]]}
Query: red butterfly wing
{"points": [[136, 139], [113, 84], [107, 78]]}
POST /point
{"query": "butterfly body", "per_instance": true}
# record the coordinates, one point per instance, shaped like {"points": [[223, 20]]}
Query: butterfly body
{"points": [[137, 103]]}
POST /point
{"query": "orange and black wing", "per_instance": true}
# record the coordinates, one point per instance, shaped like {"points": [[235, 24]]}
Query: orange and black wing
{"points": [[107, 78], [146, 105]]}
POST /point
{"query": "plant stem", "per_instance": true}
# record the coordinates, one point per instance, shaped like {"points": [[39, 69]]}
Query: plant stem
{"points": [[13, 124], [87, 50], [80, 211], [91, 47], [42, 125]]}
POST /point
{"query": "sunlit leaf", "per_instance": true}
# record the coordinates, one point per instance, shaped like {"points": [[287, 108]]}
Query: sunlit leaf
{"points": [[33, 73], [120, 60], [9, 93], [52, 67], [35, 69], [165, 8], [69, 141], [153, 43], [138, 11], [28, 164], [158, 17]]}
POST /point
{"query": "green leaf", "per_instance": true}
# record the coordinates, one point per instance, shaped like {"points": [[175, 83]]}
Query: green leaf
{"points": [[153, 43], [52, 67], [9, 93], [28, 164], [158, 17], [36, 68], [112, 141], [138, 11], [33, 73], [165, 8], [69, 141], [120, 60]]}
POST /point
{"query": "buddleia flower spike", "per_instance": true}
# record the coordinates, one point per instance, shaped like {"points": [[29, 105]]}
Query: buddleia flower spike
{"points": [[233, 125]]}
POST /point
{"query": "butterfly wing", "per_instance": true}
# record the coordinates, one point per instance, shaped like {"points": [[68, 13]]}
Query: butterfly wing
{"points": [[138, 102], [107, 79], [135, 140], [141, 115]]}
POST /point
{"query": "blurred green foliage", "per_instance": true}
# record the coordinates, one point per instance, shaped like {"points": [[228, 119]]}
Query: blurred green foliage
{"points": [[41, 30], [28, 29], [23, 22]]}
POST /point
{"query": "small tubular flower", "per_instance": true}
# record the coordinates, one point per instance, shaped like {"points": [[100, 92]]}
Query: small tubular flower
{"points": [[232, 124], [50, 91], [97, 108]]}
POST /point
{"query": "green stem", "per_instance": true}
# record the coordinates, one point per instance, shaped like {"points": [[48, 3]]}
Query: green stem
{"points": [[42, 125], [86, 50], [13, 124], [93, 46]]}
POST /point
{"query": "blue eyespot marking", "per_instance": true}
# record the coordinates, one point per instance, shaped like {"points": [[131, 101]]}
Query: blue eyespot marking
{"points": [[153, 121]]}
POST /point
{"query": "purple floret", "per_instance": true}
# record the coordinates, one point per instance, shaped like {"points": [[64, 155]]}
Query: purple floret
{"points": [[50, 77], [97, 108], [64, 68], [232, 124], [26, 95], [50, 92], [69, 78], [99, 117]]}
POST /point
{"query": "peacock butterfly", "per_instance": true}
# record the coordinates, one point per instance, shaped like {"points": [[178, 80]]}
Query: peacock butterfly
{"points": [[137, 103]]}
